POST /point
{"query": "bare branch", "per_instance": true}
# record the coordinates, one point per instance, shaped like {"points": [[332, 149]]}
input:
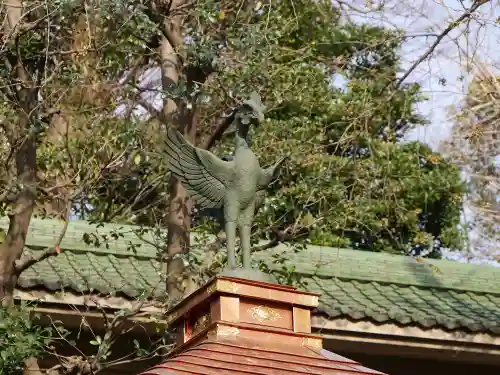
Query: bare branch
{"points": [[354, 8], [466, 15]]}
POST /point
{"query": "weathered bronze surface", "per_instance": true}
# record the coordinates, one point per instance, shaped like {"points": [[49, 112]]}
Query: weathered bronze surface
{"points": [[233, 185]]}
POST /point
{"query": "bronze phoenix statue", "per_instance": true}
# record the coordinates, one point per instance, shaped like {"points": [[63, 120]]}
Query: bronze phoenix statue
{"points": [[232, 185]]}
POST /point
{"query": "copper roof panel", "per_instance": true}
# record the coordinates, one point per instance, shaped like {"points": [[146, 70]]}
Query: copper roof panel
{"points": [[253, 366], [239, 356], [271, 358], [268, 360]]}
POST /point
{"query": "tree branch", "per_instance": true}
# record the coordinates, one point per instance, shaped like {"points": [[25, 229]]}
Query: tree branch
{"points": [[359, 10], [466, 15], [280, 236], [112, 327], [159, 115], [23, 264], [219, 131], [17, 27]]}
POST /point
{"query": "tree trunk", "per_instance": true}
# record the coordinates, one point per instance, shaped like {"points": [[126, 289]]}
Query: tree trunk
{"points": [[185, 119], [180, 205], [32, 367], [22, 140]]}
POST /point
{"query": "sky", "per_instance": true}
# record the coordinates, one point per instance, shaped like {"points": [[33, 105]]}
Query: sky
{"points": [[449, 61], [457, 58]]}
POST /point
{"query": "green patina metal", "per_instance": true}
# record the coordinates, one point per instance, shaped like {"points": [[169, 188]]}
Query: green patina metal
{"points": [[234, 185]]}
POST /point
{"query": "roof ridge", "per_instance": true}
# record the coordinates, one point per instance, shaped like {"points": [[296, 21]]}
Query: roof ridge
{"points": [[367, 266], [228, 360], [110, 238], [404, 285]]}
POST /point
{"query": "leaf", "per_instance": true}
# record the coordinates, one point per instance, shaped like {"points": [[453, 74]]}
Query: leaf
{"points": [[137, 158]]}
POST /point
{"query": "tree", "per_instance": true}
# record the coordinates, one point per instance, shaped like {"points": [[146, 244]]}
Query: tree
{"points": [[352, 133], [474, 146], [74, 84], [61, 144], [20, 339], [350, 182]]}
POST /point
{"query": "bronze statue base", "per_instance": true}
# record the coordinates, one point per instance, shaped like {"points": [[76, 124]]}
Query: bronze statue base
{"points": [[248, 274]]}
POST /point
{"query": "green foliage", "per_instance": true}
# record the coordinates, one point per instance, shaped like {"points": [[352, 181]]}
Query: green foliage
{"points": [[19, 339], [350, 181]]}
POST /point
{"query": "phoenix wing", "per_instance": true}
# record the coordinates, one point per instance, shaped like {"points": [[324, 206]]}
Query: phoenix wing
{"points": [[203, 174]]}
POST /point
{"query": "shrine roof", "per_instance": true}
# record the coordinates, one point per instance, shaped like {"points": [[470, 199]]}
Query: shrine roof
{"points": [[239, 356], [358, 285]]}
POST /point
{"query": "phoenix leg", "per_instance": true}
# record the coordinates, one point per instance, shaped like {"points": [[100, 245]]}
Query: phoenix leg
{"points": [[245, 231], [231, 219], [231, 243]]}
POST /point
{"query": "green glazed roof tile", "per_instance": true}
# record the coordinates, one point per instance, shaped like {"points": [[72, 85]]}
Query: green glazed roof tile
{"points": [[425, 307], [353, 284]]}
